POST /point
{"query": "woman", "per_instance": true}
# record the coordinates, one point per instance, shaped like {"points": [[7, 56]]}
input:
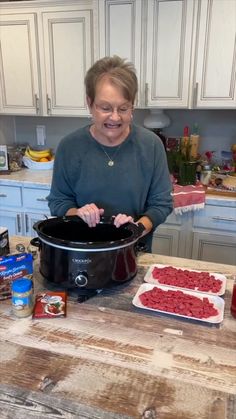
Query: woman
{"points": [[112, 167]]}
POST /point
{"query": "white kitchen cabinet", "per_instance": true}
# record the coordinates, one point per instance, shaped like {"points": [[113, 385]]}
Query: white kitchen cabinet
{"points": [[68, 54], [13, 220], [36, 208], [214, 233], [30, 219], [10, 196], [166, 241], [47, 48], [20, 223], [216, 55], [11, 208], [156, 35], [208, 234], [120, 32], [168, 53], [214, 247], [166, 238], [183, 52], [19, 71], [171, 238], [22, 206]]}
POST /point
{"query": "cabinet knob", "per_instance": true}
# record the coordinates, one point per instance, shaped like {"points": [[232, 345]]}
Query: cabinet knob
{"points": [[3, 195]]}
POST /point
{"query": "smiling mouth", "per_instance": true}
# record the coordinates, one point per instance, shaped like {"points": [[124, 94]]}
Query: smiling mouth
{"points": [[112, 126]]}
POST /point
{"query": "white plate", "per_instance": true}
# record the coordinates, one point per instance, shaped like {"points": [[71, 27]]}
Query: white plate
{"points": [[149, 278], [218, 302]]}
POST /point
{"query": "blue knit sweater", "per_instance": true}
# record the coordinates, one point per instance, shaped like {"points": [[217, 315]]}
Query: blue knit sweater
{"points": [[138, 183]]}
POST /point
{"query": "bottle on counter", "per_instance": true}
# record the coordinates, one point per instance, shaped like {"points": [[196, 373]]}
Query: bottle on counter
{"points": [[233, 149], [194, 142], [205, 174], [185, 143], [22, 297], [233, 301]]}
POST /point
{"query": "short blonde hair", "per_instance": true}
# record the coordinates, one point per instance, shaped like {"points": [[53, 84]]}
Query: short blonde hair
{"points": [[118, 71]]}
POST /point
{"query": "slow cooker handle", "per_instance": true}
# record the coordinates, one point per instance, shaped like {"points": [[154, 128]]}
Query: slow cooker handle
{"points": [[138, 226], [35, 242]]}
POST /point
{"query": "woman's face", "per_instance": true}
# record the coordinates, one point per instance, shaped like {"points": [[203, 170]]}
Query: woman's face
{"points": [[111, 113]]}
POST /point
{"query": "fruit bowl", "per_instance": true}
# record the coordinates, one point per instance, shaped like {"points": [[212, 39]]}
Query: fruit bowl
{"points": [[35, 165]]}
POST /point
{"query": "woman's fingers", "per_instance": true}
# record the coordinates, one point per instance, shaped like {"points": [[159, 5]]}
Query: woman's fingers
{"points": [[121, 219], [90, 213]]}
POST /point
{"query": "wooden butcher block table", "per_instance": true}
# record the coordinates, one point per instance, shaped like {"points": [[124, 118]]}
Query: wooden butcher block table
{"points": [[108, 359]]}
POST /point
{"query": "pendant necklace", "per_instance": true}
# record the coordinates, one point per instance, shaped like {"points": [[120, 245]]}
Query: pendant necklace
{"points": [[111, 161]]}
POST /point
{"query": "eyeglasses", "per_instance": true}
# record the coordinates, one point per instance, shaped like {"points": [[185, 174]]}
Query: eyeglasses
{"points": [[109, 110]]}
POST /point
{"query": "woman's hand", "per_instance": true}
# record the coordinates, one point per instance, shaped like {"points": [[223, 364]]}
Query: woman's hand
{"points": [[90, 213], [121, 219], [146, 223]]}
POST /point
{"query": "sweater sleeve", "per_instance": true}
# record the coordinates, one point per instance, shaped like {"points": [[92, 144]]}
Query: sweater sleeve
{"points": [[61, 196], [159, 202]]}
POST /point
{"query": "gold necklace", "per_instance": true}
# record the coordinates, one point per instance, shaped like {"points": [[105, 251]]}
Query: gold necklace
{"points": [[111, 161]]}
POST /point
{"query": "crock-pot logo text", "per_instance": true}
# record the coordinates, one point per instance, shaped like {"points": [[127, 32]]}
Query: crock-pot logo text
{"points": [[85, 261]]}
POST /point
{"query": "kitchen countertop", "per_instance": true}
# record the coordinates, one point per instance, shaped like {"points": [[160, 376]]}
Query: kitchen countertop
{"points": [[28, 177], [42, 178], [107, 359]]}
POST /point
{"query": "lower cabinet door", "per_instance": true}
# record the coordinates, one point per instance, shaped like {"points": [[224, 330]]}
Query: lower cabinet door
{"points": [[30, 220], [214, 247], [166, 241], [13, 221]]}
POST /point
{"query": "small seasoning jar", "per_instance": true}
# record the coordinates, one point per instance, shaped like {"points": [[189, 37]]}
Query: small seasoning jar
{"points": [[205, 175], [22, 297]]}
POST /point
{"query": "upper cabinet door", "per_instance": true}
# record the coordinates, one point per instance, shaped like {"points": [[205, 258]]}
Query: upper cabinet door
{"points": [[68, 51], [216, 55], [168, 52], [120, 31], [19, 75]]}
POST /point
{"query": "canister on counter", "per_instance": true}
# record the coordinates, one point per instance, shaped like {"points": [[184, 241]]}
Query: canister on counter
{"points": [[22, 297], [205, 175], [15, 158]]}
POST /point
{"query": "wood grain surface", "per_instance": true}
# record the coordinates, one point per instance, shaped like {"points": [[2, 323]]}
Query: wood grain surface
{"points": [[107, 359]]}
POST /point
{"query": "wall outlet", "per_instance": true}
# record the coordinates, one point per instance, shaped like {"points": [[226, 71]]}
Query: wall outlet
{"points": [[41, 134]]}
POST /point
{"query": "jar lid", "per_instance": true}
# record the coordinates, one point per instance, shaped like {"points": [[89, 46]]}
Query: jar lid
{"points": [[21, 285], [206, 167]]}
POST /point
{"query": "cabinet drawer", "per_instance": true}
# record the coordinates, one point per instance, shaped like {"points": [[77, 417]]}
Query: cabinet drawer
{"points": [[10, 196], [217, 218], [36, 199]]}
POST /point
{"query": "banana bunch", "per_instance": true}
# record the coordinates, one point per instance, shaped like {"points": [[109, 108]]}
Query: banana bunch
{"points": [[39, 155]]}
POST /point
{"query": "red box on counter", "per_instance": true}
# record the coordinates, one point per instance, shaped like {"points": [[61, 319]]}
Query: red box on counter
{"points": [[14, 267], [50, 304]]}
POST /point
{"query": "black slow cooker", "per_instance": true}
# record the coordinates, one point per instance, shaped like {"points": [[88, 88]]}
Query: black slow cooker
{"points": [[74, 255]]}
